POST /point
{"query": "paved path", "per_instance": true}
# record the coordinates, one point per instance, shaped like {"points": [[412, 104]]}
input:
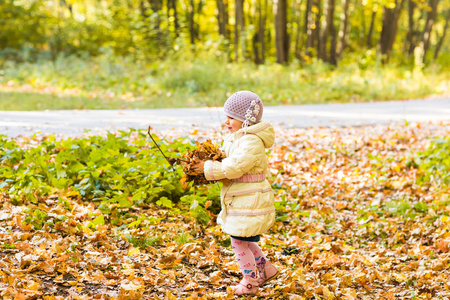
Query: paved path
{"points": [[75, 122]]}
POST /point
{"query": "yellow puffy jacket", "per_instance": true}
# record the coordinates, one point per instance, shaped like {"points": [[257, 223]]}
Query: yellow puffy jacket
{"points": [[247, 207]]}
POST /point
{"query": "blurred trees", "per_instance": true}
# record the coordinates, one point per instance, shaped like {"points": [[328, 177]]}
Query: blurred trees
{"points": [[250, 30]]}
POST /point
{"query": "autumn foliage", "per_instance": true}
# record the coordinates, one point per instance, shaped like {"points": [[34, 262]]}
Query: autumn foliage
{"points": [[360, 215], [205, 151]]}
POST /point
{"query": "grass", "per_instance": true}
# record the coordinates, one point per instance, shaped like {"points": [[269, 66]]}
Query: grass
{"points": [[113, 83], [35, 101]]}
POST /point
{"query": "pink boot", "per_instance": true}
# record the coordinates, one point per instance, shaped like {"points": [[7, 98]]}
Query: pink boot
{"points": [[248, 286], [267, 272]]}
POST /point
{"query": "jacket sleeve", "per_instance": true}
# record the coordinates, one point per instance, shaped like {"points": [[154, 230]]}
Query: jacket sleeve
{"points": [[245, 157]]}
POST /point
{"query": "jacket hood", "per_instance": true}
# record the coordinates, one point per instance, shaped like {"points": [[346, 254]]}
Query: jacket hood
{"points": [[264, 130]]}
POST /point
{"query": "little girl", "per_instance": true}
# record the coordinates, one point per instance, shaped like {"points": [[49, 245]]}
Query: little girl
{"points": [[247, 198]]}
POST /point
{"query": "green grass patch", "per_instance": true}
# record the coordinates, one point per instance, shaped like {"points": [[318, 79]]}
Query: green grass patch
{"points": [[434, 162], [39, 101], [107, 82]]}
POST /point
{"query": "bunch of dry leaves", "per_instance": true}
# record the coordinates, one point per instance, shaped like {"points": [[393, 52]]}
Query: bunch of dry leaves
{"points": [[205, 151]]}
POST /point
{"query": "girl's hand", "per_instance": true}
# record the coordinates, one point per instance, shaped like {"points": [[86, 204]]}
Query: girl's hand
{"points": [[197, 167]]}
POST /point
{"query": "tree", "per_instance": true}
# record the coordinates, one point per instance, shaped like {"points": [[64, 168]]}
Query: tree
{"points": [[222, 18], [239, 30], [281, 35], [409, 41], [192, 25], [309, 26], [441, 40], [261, 31], [328, 28], [431, 17], [172, 6], [298, 35], [343, 30], [391, 16], [317, 17], [259, 45], [371, 27]]}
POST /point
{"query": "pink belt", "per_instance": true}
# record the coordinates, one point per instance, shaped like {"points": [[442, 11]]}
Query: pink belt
{"points": [[250, 178]]}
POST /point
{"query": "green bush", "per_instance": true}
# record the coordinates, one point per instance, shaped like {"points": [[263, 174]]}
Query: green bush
{"points": [[117, 171], [434, 162]]}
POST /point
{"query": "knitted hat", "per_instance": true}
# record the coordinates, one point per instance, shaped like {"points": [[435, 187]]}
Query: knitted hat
{"points": [[244, 106]]}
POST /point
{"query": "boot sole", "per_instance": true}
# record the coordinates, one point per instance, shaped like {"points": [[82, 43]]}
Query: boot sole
{"points": [[270, 278]]}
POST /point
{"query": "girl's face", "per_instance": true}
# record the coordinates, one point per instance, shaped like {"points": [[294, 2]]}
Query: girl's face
{"points": [[233, 125]]}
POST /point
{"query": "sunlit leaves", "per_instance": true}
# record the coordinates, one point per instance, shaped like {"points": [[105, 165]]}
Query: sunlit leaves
{"points": [[205, 151], [352, 222]]}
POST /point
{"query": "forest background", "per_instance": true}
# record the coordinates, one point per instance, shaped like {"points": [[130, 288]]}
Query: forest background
{"points": [[125, 54]]}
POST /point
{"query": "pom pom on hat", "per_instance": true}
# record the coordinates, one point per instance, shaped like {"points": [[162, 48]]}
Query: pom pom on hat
{"points": [[244, 106]]}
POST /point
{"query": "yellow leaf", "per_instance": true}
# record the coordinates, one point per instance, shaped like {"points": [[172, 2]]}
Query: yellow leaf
{"points": [[170, 296], [87, 230], [131, 286], [350, 294], [207, 204], [73, 193], [348, 247], [397, 184], [326, 292], [134, 251], [400, 277], [34, 286], [232, 266]]}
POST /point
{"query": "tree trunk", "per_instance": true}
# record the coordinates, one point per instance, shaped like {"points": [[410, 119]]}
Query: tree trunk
{"points": [[371, 27], [308, 28], [156, 7], [222, 19], [258, 37], [362, 30], [316, 30], [343, 29], [394, 29], [262, 30], [333, 41], [259, 47], [328, 28], [172, 4], [281, 37], [239, 29], [298, 33], [322, 46], [191, 15], [389, 29], [441, 40], [431, 17], [409, 43]]}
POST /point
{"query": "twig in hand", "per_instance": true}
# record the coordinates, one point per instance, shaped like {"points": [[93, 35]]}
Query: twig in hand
{"points": [[168, 160]]}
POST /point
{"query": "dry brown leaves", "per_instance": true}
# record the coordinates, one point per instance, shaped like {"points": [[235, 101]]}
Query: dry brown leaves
{"points": [[205, 151], [338, 234]]}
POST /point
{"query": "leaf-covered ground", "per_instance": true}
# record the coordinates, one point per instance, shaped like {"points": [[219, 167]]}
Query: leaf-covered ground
{"points": [[352, 223]]}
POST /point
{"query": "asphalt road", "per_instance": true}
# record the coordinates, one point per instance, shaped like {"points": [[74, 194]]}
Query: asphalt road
{"points": [[76, 122]]}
